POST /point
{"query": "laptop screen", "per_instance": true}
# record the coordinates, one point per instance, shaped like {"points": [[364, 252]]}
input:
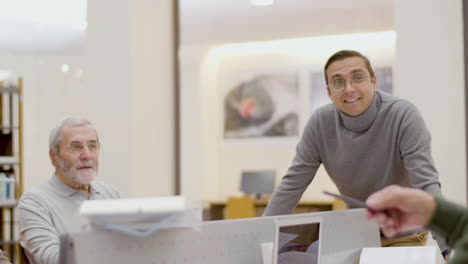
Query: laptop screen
{"points": [[297, 240]]}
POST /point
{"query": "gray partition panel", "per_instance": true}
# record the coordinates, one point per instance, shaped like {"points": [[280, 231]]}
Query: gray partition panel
{"points": [[344, 234]]}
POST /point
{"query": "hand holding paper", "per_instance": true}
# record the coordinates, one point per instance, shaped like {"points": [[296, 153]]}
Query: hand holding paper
{"points": [[408, 209]]}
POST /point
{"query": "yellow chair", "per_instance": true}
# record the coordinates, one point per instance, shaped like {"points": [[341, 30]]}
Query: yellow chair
{"points": [[338, 204], [240, 207], [22, 259]]}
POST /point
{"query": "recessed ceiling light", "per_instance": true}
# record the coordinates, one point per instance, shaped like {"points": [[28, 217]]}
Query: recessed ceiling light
{"points": [[64, 68], [261, 2]]}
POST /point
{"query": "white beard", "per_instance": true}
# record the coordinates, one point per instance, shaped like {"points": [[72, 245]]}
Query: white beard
{"points": [[80, 177]]}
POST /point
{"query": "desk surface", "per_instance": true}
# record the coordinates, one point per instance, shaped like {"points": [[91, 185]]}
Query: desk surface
{"points": [[216, 210], [265, 202]]}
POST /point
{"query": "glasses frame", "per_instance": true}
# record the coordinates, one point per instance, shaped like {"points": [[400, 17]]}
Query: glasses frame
{"points": [[78, 147], [349, 81]]}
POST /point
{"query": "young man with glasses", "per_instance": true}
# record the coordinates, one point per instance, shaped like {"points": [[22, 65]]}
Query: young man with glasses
{"points": [[366, 140], [48, 211]]}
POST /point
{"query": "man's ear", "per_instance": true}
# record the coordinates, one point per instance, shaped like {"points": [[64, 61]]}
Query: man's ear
{"points": [[52, 156], [374, 82]]}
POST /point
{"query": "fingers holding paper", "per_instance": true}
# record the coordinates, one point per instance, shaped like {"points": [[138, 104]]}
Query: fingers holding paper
{"points": [[399, 209]]}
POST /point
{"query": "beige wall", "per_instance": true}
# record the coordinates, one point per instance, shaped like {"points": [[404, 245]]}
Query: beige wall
{"points": [[126, 90], [429, 71]]}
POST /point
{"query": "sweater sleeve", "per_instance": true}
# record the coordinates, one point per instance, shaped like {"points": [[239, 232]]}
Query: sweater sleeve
{"points": [[299, 175], [39, 237], [415, 150], [451, 221]]}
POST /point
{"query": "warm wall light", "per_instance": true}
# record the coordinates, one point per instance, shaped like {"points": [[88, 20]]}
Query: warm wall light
{"points": [[261, 2], [311, 46]]}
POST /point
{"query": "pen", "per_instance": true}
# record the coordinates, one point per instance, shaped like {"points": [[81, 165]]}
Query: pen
{"points": [[353, 202]]}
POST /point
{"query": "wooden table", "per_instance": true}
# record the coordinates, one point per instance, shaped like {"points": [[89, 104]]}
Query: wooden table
{"points": [[216, 210]]}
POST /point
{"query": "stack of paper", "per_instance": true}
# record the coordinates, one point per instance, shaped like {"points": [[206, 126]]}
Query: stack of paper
{"points": [[141, 214], [400, 255]]}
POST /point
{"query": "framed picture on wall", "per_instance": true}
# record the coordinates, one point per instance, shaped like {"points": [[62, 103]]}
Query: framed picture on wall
{"points": [[263, 105], [384, 77], [318, 88]]}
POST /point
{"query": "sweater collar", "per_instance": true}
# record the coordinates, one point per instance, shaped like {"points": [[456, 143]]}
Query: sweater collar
{"points": [[363, 121]]}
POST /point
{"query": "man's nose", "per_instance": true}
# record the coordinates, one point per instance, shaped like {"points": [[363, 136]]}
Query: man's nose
{"points": [[348, 86], [85, 153]]}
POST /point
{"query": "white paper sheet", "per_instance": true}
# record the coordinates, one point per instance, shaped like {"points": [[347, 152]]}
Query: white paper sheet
{"points": [[400, 255]]}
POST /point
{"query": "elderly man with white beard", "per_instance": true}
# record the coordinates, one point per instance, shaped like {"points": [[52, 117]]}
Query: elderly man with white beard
{"points": [[48, 210]]}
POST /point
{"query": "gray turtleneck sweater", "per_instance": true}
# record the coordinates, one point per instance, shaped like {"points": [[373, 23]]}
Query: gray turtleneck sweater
{"points": [[387, 144]]}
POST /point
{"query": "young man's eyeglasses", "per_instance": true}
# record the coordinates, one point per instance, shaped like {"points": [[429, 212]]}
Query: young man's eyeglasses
{"points": [[340, 83], [77, 147]]}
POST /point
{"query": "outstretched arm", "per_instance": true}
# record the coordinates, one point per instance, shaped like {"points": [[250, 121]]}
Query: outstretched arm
{"points": [[406, 209]]}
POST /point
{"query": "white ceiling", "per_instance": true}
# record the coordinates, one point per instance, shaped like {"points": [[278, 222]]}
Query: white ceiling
{"points": [[215, 21], [32, 26]]}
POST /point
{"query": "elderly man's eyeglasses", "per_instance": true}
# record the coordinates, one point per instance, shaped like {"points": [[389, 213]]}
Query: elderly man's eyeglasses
{"points": [[340, 83], [77, 148]]}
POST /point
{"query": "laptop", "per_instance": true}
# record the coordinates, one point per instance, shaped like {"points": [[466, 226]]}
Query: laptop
{"points": [[297, 240]]}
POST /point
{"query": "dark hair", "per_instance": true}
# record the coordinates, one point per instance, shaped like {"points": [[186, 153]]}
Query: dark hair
{"points": [[344, 54]]}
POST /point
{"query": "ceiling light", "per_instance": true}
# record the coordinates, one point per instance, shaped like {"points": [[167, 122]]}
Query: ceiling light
{"points": [[261, 2], [64, 68]]}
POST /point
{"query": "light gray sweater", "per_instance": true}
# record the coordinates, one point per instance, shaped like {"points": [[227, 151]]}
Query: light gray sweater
{"points": [[3, 260], [388, 144], [48, 211]]}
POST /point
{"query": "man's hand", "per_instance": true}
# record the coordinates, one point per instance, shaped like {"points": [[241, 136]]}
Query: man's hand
{"points": [[406, 209]]}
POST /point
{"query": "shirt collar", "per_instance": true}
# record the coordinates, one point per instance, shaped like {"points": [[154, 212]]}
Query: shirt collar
{"points": [[363, 121], [60, 187]]}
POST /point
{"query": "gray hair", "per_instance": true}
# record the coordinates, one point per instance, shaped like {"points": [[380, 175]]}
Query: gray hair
{"points": [[56, 134]]}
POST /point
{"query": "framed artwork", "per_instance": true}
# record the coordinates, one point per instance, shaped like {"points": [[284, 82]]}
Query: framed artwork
{"points": [[384, 77], [264, 105]]}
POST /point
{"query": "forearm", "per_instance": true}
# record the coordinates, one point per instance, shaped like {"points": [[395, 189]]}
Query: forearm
{"points": [[284, 199], [38, 234], [449, 220], [299, 175], [45, 250], [415, 149], [291, 188]]}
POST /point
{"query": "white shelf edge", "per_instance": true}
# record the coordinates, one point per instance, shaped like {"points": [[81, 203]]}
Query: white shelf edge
{"points": [[8, 202], [8, 160]]}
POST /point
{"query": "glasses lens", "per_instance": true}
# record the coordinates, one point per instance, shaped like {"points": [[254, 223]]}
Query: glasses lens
{"points": [[355, 80], [94, 146], [338, 84], [78, 147], [358, 79]]}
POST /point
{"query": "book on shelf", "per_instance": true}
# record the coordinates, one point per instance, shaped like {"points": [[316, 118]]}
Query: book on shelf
{"points": [[7, 187], [8, 160]]}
